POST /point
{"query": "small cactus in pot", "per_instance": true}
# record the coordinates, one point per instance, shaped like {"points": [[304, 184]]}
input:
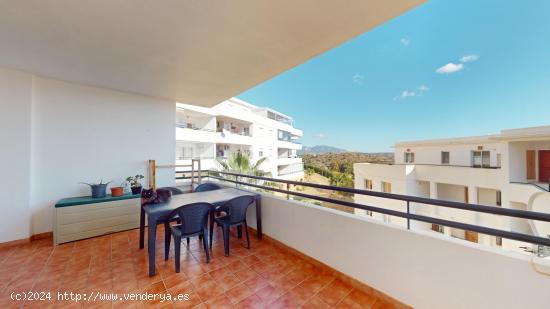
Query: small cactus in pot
{"points": [[99, 190]]}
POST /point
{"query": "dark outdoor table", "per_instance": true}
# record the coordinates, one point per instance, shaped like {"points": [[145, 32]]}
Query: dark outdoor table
{"points": [[157, 213]]}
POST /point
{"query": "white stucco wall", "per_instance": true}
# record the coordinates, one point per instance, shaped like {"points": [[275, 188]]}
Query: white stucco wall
{"points": [[15, 132], [460, 154], [65, 133], [422, 269], [518, 158]]}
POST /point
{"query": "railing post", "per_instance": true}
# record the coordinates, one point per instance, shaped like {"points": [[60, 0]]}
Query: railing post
{"points": [[152, 174], [236, 181], [200, 170], [192, 172], [287, 191], [408, 212]]}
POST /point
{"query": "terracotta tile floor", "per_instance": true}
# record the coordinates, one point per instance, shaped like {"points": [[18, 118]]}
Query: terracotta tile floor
{"points": [[265, 276]]}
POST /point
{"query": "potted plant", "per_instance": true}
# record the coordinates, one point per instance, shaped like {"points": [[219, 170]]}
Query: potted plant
{"points": [[117, 191], [135, 183], [98, 189]]}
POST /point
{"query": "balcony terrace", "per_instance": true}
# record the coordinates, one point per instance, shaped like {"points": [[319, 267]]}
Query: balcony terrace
{"points": [[200, 135], [289, 160], [125, 65], [269, 275]]}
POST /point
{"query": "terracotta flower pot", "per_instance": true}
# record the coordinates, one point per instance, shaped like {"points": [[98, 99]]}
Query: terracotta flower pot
{"points": [[117, 191]]}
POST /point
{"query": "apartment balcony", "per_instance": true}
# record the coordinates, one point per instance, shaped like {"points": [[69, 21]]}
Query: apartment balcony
{"points": [[290, 171], [236, 138], [289, 144], [289, 160], [404, 263], [529, 161], [479, 177], [200, 135], [450, 174], [126, 85], [306, 259], [268, 275], [295, 175]]}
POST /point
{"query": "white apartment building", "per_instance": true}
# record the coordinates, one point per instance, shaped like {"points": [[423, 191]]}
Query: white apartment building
{"points": [[234, 125], [510, 169]]}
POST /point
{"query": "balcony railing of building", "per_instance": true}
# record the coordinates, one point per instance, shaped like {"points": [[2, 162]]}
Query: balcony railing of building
{"points": [[289, 157], [539, 186], [236, 132], [441, 164], [280, 118], [267, 184], [291, 172], [192, 127], [205, 157]]}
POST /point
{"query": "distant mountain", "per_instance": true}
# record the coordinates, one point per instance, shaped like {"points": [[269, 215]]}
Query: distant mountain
{"points": [[320, 149]]}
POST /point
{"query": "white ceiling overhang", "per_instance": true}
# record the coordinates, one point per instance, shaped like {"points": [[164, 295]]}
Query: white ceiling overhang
{"points": [[196, 51]]}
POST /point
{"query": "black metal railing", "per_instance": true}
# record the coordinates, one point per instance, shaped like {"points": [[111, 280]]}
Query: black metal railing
{"points": [[261, 183], [184, 126], [182, 175]]}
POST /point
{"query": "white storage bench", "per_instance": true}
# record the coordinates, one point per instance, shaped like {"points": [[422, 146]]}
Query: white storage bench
{"points": [[84, 217]]}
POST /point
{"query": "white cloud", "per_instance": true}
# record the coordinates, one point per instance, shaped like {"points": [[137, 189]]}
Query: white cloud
{"points": [[358, 79], [405, 94], [450, 68], [410, 93], [319, 135], [469, 58], [405, 41]]}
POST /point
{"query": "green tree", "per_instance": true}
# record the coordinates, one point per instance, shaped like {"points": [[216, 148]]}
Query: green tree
{"points": [[341, 180], [241, 163]]}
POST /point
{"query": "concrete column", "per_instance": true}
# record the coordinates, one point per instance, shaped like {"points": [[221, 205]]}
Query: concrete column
{"points": [[434, 195], [472, 195], [477, 220]]}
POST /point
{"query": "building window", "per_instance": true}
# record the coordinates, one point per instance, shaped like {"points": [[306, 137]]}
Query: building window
{"points": [[481, 159], [368, 184], [386, 187], [498, 241], [260, 153], [445, 157], [284, 135], [499, 198], [409, 157]]}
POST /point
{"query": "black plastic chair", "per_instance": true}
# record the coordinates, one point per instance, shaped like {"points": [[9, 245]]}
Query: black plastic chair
{"points": [[194, 218], [207, 186], [235, 210], [174, 190]]}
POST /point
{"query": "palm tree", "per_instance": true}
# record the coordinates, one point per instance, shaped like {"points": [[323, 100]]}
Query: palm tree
{"points": [[240, 163]]}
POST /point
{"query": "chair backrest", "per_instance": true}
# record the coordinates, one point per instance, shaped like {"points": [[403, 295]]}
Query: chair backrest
{"points": [[174, 190], [208, 186], [237, 207], [194, 217]]}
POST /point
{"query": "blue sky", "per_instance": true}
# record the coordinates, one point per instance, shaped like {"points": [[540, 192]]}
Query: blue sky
{"points": [[445, 69]]}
